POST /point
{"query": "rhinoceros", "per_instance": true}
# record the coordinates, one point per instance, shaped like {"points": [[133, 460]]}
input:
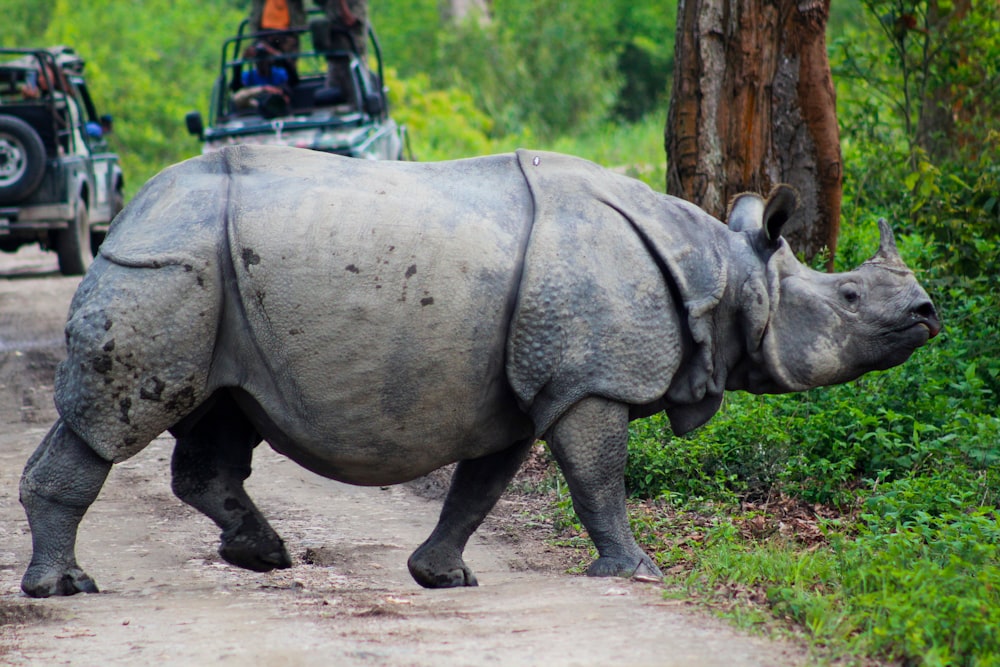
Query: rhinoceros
{"points": [[376, 321]]}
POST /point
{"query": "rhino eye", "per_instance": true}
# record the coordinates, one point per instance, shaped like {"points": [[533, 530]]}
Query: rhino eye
{"points": [[850, 294]]}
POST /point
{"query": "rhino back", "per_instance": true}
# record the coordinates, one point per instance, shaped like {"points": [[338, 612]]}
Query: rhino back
{"points": [[369, 308], [177, 218]]}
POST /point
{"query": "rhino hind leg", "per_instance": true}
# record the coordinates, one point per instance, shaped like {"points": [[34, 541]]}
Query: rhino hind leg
{"points": [[476, 486], [210, 462], [590, 444], [60, 481]]}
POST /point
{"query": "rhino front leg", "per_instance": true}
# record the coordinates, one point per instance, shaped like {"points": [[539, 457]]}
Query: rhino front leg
{"points": [[476, 486], [590, 444], [60, 481], [210, 462]]}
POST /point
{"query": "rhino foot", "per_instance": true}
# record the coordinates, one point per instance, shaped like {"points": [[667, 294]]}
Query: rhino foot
{"points": [[255, 552], [43, 582], [432, 568], [644, 570]]}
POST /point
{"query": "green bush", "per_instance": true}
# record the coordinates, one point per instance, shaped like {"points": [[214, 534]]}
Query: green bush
{"points": [[661, 465], [925, 586], [518, 66], [936, 411], [957, 206], [148, 85], [441, 124]]}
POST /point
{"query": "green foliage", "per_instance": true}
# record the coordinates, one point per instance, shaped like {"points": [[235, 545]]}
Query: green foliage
{"points": [[146, 84], [442, 124], [544, 69], [24, 21], [646, 59], [662, 466], [931, 64], [924, 585], [959, 209], [518, 67], [635, 149], [409, 32], [918, 93], [912, 586]]}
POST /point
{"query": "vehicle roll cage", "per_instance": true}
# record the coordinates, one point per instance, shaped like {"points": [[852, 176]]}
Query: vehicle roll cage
{"points": [[54, 73], [232, 61]]}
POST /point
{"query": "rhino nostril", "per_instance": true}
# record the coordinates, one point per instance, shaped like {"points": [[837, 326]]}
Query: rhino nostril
{"points": [[926, 313]]}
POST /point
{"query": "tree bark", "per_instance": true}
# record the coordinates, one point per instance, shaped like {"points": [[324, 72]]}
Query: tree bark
{"points": [[753, 105]]}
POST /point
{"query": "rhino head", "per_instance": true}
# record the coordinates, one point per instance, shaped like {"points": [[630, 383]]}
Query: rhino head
{"points": [[815, 328]]}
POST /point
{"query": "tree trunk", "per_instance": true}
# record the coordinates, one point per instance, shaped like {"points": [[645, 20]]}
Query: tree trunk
{"points": [[753, 106]]}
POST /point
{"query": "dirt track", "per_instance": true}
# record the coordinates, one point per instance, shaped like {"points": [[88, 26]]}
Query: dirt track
{"points": [[168, 599]]}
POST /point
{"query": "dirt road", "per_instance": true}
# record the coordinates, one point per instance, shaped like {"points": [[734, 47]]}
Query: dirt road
{"points": [[168, 599]]}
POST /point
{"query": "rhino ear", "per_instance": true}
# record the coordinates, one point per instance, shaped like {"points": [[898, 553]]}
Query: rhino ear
{"points": [[746, 212], [781, 204]]}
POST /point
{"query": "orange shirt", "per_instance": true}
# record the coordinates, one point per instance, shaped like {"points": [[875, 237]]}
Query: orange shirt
{"points": [[275, 15]]}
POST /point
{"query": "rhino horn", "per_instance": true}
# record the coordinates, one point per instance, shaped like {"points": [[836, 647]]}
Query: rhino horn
{"points": [[888, 253]]}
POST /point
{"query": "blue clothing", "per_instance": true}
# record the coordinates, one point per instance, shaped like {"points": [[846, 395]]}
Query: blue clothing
{"points": [[279, 77]]}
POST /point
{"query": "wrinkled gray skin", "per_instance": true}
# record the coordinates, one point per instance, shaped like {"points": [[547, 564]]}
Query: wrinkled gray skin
{"points": [[375, 321]]}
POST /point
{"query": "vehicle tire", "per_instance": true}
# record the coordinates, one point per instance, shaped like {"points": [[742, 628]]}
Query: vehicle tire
{"points": [[22, 159], [73, 243]]}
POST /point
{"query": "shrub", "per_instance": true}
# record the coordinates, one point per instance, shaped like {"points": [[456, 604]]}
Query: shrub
{"points": [[922, 580]]}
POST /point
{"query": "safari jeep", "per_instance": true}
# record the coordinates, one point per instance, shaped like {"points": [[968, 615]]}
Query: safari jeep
{"points": [[349, 118], [60, 185]]}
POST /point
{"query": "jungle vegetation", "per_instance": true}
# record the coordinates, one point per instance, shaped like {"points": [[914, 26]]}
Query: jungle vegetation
{"points": [[862, 518]]}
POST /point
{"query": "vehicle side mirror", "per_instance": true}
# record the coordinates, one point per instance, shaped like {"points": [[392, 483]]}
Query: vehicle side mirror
{"points": [[195, 125]]}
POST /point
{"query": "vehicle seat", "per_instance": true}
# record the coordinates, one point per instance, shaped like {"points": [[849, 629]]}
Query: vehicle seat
{"points": [[328, 96], [304, 95]]}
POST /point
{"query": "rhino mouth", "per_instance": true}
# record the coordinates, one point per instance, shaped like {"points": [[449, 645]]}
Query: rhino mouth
{"points": [[922, 331], [933, 328], [907, 339]]}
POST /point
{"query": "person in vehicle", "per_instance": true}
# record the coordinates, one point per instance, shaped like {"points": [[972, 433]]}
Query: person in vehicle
{"points": [[265, 71], [277, 15], [347, 17], [345, 29], [271, 21], [266, 85], [41, 79]]}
